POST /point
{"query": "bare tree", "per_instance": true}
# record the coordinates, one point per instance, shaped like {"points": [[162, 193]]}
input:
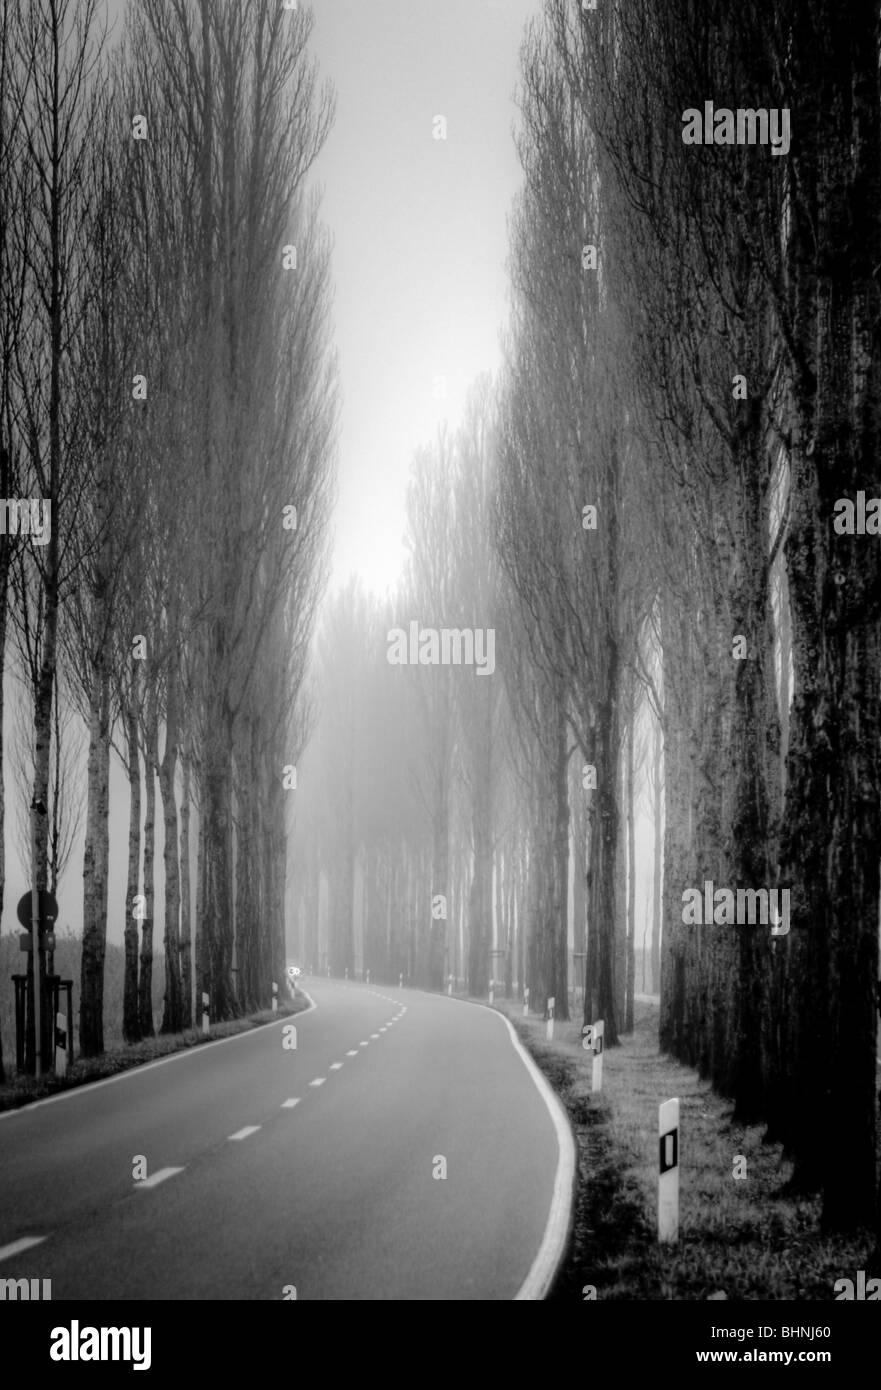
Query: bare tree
{"points": [[55, 71]]}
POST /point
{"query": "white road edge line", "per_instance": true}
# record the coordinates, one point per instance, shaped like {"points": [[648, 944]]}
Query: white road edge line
{"points": [[19, 1246], [544, 1267], [89, 1086], [243, 1133], [156, 1178]]}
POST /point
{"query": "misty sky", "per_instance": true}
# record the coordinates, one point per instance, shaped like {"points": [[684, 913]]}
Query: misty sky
{"points": [[420, 236]]}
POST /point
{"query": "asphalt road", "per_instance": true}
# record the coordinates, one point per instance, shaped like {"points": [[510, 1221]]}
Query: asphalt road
{"points": [[270, 1168]]}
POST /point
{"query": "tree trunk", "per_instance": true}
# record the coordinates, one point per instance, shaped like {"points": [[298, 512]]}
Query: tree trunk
{"points": [[96, 856], [248, 924], [131, 1019], [630, 795], [621, 897], [200, 944], [186, 942], [218, 906], [657, 818], [173, 1005], [604, 840], [440, 883], [145, 980], [559, 923], [480, 963]]}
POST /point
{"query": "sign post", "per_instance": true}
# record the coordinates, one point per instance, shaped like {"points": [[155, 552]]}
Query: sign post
{"points": [[668, 1171], [38, 911], [61, 1044], [597, 1038], [26, 941]]}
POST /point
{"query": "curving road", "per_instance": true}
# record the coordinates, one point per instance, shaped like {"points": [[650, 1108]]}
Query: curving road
{"points": [[270, 1168]]}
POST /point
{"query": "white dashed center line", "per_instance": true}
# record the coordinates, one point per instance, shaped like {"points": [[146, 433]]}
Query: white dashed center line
{"points": [[159, 1176], [374, 1035], [19, 1246], [243, 1133], [319, 1081], [289, 1104], [353, 1053], [335, 1066]]}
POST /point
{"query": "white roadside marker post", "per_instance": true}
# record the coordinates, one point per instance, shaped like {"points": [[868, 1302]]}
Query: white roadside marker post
{"points": [[526, 1001], [668, 1171], [597, 1077], [274, 997], [550, 1029], [491, 995], [204, 1013], [450, 986], [368, 977], [401, 980], [347, 972]]}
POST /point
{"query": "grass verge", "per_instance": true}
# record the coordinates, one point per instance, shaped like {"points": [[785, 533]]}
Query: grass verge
{"points": [[740, 1238], [22, 1090]]}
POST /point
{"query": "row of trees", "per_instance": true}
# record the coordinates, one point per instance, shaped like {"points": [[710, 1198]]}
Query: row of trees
{"points": [[166, 388], [443, 805], [750, 283], [406, 770], [690, 384]]}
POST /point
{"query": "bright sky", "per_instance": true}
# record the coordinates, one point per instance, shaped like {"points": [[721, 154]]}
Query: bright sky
{"points": [[420, 236]]}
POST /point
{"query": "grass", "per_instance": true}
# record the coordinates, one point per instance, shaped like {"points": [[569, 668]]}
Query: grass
{"points": [[22, 1090], [741, 1238]]}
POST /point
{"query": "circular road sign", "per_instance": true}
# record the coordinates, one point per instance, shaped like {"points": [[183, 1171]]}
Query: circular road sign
{"points": [[48, 910]]}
